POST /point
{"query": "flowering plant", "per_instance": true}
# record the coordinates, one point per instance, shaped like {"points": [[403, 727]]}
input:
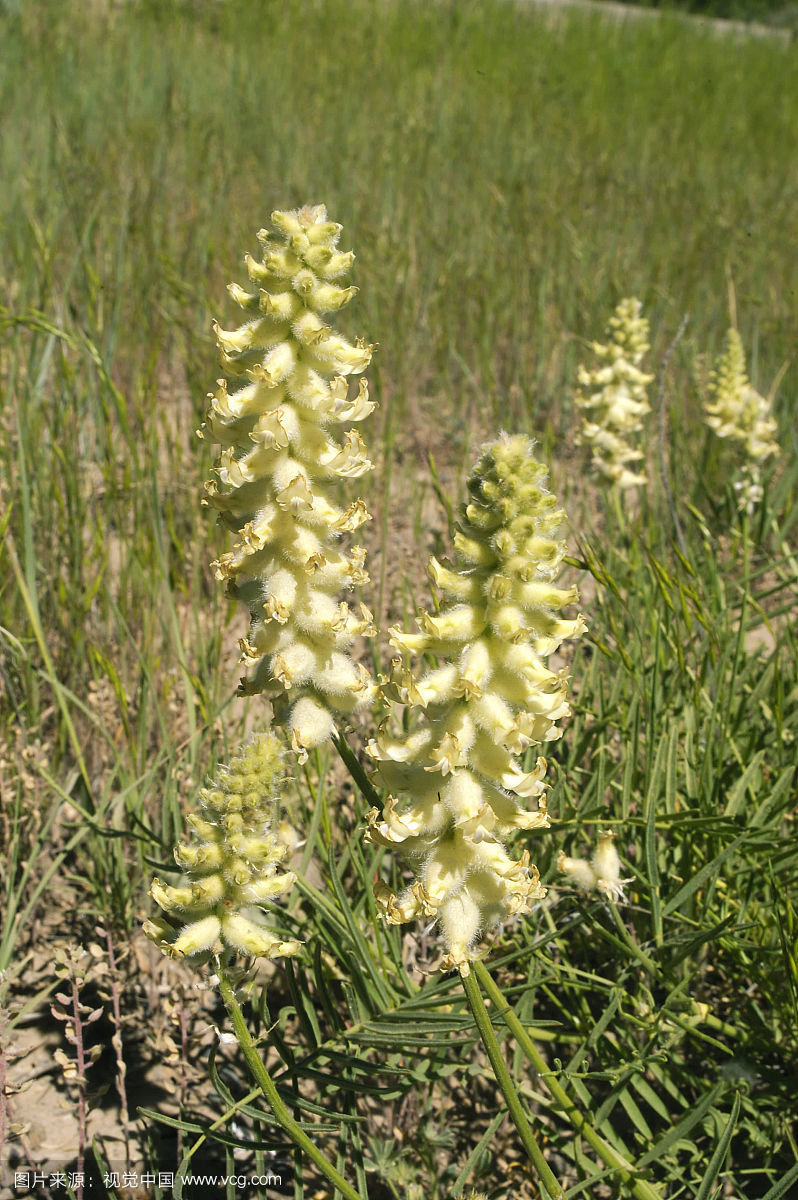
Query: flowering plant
{"points": [[489, 698], [275, 473], [461, 782], [735, 410], [233, 864], [612, 397]]}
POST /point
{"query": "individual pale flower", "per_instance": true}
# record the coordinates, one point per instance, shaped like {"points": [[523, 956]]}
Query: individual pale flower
{"points": [[490, 696], [613, 399], [277, 471], [232, 867], [736, 410], [602, 873]]}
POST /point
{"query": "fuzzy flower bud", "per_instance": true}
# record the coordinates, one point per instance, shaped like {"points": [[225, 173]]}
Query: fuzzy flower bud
{"points": [[489, 698], [232, 866], [279, 464], [602, 873], [614, 401], [736, 411]]}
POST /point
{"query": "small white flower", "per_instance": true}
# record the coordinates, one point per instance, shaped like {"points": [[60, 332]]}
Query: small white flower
{"points": [[602, 874]]}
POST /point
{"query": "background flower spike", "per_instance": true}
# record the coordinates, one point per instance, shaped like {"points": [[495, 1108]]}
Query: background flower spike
{"points": [[613, 397], [735, 410]]}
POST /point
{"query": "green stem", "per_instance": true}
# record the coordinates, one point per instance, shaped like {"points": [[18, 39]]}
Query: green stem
{"points": [[359, 776], [620, 515], [269, 1089], [610, 1157], [636, 950], [746, 554], [792, 563], [506, 1084]]}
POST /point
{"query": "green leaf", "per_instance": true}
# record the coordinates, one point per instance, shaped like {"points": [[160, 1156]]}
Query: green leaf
{"points": [[779, 1188], [677, 1132], [697, 881], [475, 1155], [716, 1162]]}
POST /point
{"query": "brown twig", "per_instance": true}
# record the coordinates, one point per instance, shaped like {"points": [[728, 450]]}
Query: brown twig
{"points": [[118, 1045]]}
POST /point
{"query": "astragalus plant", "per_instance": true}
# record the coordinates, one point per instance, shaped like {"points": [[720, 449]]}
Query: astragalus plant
{"points": [[736, 411], [613, 398], [280, 458], [602, 873], [463, 795], [460, 785], [275, 475], [233, 865], [233, 870]]}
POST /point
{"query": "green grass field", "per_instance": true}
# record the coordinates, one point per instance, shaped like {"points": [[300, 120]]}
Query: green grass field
{"points": [[505, 176]]}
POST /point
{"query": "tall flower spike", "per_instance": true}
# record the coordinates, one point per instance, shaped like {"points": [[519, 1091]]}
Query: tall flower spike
{"points": [[232, 866], [614, 401], [275, 474], [736, 411], [489, 698]]}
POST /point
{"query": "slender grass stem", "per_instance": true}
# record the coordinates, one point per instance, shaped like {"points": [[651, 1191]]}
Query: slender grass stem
{"points": [[620, 515], [266, 1084], [610, 1157], [662, 434], [506, 1084]]}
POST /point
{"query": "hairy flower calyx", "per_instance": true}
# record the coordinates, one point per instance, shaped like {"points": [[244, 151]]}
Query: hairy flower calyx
{"points": [[232, 866], [613, 399], [602, 873], [489, 698], [278, 466]]}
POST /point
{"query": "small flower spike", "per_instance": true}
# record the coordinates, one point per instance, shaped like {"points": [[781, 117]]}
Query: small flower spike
{"points": [[232, 867], [277, 470], [736, 411], [614, 401], [489, 697]]}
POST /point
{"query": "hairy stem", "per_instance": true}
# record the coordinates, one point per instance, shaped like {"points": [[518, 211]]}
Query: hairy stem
{"points": [[505, 1082], [639, 1188], [269, 1090]]}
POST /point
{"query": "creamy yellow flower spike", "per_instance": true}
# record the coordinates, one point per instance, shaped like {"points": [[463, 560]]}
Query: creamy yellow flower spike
{"points": [[233, 865], [275, 476], [738, 412], [613, 399], [490, 697]]}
